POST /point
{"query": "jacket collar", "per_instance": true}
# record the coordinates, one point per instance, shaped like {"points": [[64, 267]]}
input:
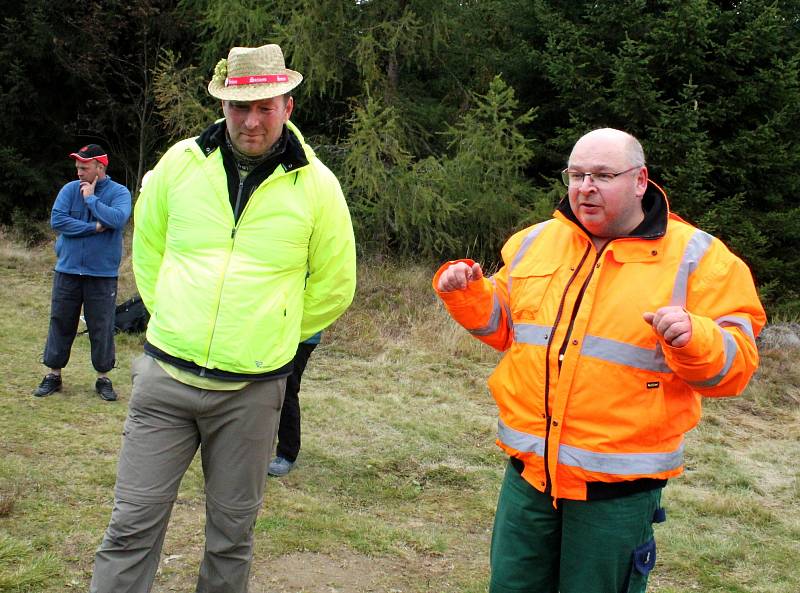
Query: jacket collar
{"points": [[656, 214], [293, 157]]}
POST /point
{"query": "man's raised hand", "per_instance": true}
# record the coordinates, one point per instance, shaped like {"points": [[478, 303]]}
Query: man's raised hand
{"points": [[457, 276], [87, 189], [671, 323]]}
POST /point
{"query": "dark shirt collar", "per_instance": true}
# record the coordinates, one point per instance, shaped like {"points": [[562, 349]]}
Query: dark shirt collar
{"points": [[245, 163]]}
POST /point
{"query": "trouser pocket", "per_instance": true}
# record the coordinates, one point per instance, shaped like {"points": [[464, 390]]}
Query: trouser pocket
{"points": [[643, 561]]}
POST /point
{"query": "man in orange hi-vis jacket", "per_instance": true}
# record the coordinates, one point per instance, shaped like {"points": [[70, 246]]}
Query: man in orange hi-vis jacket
{"points": [[616, 316]]}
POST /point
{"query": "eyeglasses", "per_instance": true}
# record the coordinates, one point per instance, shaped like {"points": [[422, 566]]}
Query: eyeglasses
{"points": [[575, 178]]}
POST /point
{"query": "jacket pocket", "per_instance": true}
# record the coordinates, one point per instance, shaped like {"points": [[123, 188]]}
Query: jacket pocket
{"points": [[529, 284], [265, 339]]}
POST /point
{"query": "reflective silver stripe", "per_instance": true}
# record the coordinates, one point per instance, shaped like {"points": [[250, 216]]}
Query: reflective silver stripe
{"points": [[695, 250], [509, 323], [494, 321], [523, 248], [601, 348], [526, 243], [621, 464], [521, 441], [625, 354], [529, 333], [731, 349], [741, 323], [505, 307]]}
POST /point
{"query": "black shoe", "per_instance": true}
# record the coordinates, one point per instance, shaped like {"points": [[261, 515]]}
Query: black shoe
{"points": [[50, 384], [104, 387]]}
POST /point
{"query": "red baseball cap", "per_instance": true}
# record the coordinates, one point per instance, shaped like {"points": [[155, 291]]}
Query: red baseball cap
{"points": [[89, 152]]}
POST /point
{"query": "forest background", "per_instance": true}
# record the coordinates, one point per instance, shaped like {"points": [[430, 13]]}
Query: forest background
{"points": [[447, 121]]}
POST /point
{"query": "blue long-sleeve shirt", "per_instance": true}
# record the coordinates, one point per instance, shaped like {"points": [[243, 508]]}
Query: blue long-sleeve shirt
{"points": [[80, 248]]}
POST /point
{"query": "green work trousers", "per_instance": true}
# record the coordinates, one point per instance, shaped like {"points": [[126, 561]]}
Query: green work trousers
{"points": [[601, 546]]}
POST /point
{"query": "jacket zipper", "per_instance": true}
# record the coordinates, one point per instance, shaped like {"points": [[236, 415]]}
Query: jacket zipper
{"points": [[547, 477], [578, 300], [236, 208], [230, 252], [236, 221]]}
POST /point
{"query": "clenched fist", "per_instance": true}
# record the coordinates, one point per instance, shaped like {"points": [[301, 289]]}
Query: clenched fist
{"points": [[671, 323], [457, 276]]}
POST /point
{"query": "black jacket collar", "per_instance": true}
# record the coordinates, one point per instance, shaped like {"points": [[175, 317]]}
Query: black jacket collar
{"points": [[656, 214], [293, 157]]}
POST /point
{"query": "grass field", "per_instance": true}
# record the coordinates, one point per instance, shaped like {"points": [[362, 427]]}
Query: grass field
{"points": [[396, 484]]}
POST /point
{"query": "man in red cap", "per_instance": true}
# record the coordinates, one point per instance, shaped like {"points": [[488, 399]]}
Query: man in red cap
{"points": [[89, 216]]}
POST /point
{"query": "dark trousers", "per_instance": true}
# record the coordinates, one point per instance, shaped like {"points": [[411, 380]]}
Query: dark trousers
{"points": [[98, 297], [289, 429], [598, 546]]}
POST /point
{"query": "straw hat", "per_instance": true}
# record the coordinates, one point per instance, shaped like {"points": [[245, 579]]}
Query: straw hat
{"points": [[252, 74]]}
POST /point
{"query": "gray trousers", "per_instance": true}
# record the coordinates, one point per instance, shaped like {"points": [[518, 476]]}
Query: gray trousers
{"points": [[167, 421]]}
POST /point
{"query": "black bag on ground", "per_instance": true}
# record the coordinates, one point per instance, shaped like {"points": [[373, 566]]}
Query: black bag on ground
{"points": [[131, 316]]}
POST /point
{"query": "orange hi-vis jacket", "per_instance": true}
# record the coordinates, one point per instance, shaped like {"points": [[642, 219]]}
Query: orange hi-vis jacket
{"points": [[587, 392]]}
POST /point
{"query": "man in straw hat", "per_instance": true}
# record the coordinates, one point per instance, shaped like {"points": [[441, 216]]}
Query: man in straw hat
{"points": [[89, 215], [243, 247]]}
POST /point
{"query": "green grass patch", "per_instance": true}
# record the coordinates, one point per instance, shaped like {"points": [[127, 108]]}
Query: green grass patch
{"points": [[396, 484], [24, 569]]}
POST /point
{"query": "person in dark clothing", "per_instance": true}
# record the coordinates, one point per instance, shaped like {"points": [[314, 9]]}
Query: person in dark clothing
{"points": [[289, 429], [89, 215]]}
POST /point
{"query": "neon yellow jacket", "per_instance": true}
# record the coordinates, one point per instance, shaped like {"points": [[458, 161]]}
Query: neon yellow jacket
{"points": [[239, 297]]}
